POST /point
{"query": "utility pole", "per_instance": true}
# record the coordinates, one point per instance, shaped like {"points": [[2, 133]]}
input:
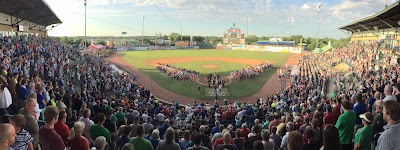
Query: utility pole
{"points": [[291, 19], [142, 28], [247, 20], [319, 10], [85, 26], [181, 27]]}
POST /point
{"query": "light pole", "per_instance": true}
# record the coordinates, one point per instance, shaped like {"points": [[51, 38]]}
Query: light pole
{"points": [[181, 27], [142, 28], [247, 20], [291, 19], [319, 10], [85, 26]]}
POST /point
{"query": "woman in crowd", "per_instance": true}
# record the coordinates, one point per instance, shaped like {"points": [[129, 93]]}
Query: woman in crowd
{"points": [[76, 140]]}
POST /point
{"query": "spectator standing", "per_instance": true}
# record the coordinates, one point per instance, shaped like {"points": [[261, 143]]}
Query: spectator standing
{"points": [[7, 136], [256, 137], [363, 138], [197, 143], [227, 143], [312, 142], [345, 126], [76, 140], [289, 128], [61, 128], [139, 142], [268, 144], [124, 138], [331, 138], [390, 138], [169, 142], [98, 129], [49, 139], [155, 138], [32, 125], [88, 123], [294, 141], [329, 117], [239, 140], [388, 91], [23, 140], [277, 139]]}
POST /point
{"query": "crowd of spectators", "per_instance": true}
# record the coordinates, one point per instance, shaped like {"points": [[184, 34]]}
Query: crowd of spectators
{"points": [[251, 72], [181, 74], [85, 104]]}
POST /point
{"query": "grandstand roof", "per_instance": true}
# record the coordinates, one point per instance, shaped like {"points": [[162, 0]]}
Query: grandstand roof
{"points": [[35, 11], [385, 19]]}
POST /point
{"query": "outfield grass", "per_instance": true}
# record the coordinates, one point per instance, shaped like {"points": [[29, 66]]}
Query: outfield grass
{"points": [[236, 89]]}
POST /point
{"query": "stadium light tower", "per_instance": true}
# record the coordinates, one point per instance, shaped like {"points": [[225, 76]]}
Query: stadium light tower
{"points": [[247, 20], [142, 28], [319, 10], [291, 19], [181, 27], [85, 26]]}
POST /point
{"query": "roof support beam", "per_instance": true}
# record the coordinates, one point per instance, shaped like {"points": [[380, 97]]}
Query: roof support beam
{"points": [[31, 14], [386, 23], [345, 32]]}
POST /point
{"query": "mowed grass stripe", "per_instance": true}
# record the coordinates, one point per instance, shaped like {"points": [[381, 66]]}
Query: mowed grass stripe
{"points": [[237, 89]]}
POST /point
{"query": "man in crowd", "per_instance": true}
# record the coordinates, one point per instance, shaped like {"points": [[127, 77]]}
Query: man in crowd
{"points": [[23, 140], [61, 128], [7, 136], [140, 142], [388, 91], [289, 128], [98, 129], [49, 139], [32, 125], [345, 126], [390, 138]]}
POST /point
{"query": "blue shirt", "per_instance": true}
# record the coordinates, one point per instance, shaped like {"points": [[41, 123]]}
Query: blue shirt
{"points": [[359, 108], [371, 102]]}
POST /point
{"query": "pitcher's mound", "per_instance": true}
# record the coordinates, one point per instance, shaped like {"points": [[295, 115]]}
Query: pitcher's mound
{"points": [[210, 66]]}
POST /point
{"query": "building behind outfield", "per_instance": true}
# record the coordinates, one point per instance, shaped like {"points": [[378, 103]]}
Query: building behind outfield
{"points": [[19, 17], [382, 29]]}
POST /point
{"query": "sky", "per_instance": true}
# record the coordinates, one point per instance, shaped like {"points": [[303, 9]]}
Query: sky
{"points": [[209, 17]]}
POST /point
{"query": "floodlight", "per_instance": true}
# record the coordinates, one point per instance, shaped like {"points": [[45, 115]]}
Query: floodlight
{"points": [[376, 28]]}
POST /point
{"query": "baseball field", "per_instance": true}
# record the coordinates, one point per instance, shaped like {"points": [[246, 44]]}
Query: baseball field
{"points": [[205, 61]]}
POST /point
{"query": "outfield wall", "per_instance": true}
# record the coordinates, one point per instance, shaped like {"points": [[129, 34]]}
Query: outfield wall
{"points": [[284, 49]]}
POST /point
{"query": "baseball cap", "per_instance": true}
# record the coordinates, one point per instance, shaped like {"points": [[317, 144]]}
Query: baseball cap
{"points": [[367, 117]]}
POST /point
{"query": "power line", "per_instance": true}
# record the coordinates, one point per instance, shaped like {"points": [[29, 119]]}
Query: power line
{"points": [[121, 26], [180, 27]]}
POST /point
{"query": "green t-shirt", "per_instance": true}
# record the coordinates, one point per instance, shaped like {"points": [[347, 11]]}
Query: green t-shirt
{"points": [[345, 126], [96, 131], [141, 144], [364, 138], [120, 115]]}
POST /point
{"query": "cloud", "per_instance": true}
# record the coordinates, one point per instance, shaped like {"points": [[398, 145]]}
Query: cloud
{"points": [[305, 7]]}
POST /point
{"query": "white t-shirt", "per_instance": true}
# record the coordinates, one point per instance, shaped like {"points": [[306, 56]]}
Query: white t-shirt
{"points": [[86, 131]]}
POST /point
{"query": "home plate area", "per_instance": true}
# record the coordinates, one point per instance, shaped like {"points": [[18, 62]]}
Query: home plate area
{"points": [[210, 92]]}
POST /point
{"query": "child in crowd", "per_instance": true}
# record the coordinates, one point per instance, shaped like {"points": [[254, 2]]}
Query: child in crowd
{"points": [[23, 140]]}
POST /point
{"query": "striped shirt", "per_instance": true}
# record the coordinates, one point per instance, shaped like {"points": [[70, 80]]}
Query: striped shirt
{"points": [[31, 126], [22, 139]]}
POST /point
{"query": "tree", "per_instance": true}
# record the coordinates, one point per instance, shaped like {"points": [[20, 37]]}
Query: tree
{"points": [[251, 39], [263, 38], [174, 37], [198, 38], [101, 42], [66, 40]]}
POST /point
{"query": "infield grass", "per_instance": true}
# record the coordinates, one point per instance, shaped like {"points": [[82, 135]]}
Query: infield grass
{"points": [[237, 89]]}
